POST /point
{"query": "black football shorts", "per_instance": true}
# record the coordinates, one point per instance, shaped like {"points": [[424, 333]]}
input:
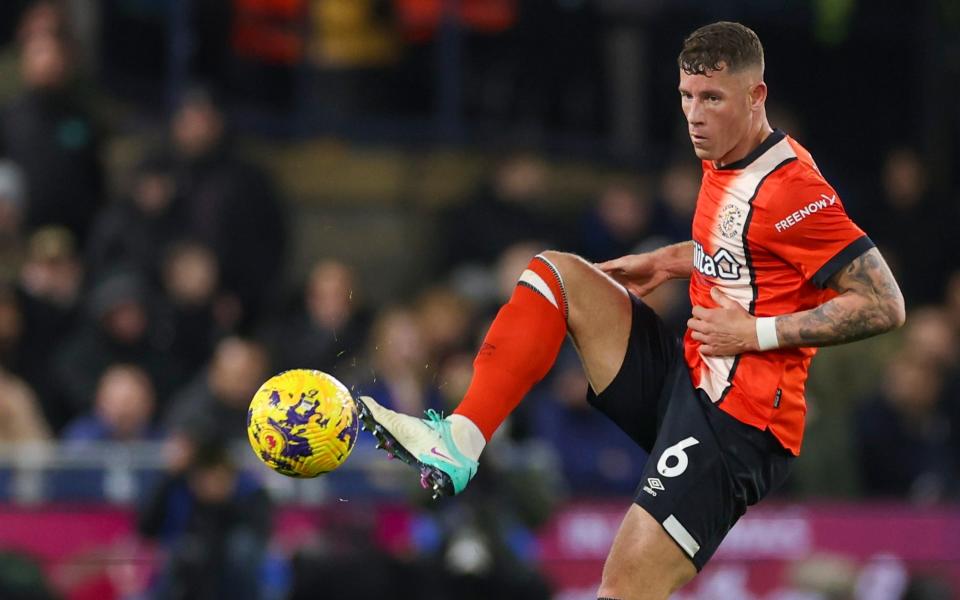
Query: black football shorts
{"points": [[705, 466]]}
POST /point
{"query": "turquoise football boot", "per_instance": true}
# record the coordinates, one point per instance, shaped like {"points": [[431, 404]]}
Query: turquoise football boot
{"points": [[425, 444]]}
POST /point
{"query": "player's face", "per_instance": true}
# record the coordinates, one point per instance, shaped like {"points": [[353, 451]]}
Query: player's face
{"points": [[720, 108]]}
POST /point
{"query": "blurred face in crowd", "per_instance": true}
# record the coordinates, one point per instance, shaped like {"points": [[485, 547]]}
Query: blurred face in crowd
{"points": [[125, 401], [43, 62], [239, 367], [904, 178], [454, 378], [914, 385], [153, 193], [52, 270], [930, 335], [190, 275], [398, 343], [624, 211], [444, 319], [55, 278], [570, 386], [679, 187], [197, 128], [213, 484], [521, 179], [330, 294], [723, 111], [126, 321]]}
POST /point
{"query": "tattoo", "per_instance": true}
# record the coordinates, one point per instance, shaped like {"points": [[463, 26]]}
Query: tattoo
{"points": [[869, 303]]}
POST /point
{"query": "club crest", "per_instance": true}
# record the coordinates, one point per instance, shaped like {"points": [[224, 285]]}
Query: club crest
{"points": [[731, 216]]}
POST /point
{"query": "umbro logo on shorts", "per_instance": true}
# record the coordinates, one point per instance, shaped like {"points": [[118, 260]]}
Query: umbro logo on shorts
{"points": [[653, 483]]}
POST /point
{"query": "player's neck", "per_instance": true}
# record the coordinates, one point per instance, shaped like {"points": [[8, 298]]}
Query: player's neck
{"points": [[747, 145]]}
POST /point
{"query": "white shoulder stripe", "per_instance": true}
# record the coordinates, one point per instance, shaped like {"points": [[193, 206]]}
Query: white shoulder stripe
{"points": [[536, 282]]}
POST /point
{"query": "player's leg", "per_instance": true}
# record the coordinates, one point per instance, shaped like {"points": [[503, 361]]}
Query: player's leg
{"points": [[705, 469], [557, 293], [560, 293], [643, 563], [598, 317]]}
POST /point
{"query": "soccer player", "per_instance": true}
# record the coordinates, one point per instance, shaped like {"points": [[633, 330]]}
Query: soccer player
{"points": [[776, 269]]}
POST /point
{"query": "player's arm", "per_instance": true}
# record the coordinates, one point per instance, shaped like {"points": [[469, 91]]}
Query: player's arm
{"points": [[642, 273], [869, 303]]}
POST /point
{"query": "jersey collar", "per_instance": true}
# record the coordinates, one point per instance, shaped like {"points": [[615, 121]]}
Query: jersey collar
{"points": [[773, 139]]}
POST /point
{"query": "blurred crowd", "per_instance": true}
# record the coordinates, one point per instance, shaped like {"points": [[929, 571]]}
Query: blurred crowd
{"points": [[149, 305]]}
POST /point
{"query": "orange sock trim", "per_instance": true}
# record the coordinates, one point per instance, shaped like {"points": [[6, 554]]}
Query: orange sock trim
{"points": [[519, 349]]}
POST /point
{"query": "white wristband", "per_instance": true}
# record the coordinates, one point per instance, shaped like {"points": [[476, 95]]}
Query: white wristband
{"points": [[767, 333]]}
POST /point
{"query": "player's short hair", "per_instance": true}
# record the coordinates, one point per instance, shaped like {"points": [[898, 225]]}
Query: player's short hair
{"points": [[720, 44]]}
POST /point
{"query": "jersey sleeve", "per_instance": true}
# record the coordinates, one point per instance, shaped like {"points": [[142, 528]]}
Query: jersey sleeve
{"points": [[809, 229]]}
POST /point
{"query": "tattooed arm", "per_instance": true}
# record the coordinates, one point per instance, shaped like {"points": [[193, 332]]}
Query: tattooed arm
{"points": [[869, 303]]}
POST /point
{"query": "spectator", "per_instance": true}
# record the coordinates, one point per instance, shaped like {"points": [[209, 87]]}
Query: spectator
{"points": [[49, 296], [903, 435], [909, 227], [214, 523], [123, 410], [51, 134], [931, 337], [119, 331], [135, 231], [328, 329], [402, 377], [216, 402], [597, 458], [501, 212], [445, 318], [189, 320], [617, 223], [21, 417], [487, 288], [231, 205], [676, 199]]}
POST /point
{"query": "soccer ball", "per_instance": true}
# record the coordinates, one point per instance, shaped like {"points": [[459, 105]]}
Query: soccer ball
{"points": [[302, 423]]}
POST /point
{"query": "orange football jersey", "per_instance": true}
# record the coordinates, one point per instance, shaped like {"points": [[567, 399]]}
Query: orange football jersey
{"points": [[769, 231]]}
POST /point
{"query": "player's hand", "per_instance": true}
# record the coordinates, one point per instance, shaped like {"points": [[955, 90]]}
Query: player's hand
{"points": [[727, 330], [639, 273]]}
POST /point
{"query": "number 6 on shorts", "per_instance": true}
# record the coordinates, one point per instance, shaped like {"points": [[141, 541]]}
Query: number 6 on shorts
{"points": [[676, 450]]}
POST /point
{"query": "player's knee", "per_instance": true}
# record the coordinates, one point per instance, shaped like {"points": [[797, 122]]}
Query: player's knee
{"points": [[561, 261], [570, 268]]}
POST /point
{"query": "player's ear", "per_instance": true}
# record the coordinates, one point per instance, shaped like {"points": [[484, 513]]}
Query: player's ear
{"points": [[758, 95]]}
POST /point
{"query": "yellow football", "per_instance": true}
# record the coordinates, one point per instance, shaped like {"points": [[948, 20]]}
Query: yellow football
{"points": [[302, 423]]}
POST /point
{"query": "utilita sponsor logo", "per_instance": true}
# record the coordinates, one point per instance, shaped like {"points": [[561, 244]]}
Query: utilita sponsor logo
{"points": [[721, 264], [810, 209]]}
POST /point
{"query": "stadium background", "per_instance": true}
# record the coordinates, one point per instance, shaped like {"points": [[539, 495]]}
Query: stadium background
{"points": [[195, 194]]}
